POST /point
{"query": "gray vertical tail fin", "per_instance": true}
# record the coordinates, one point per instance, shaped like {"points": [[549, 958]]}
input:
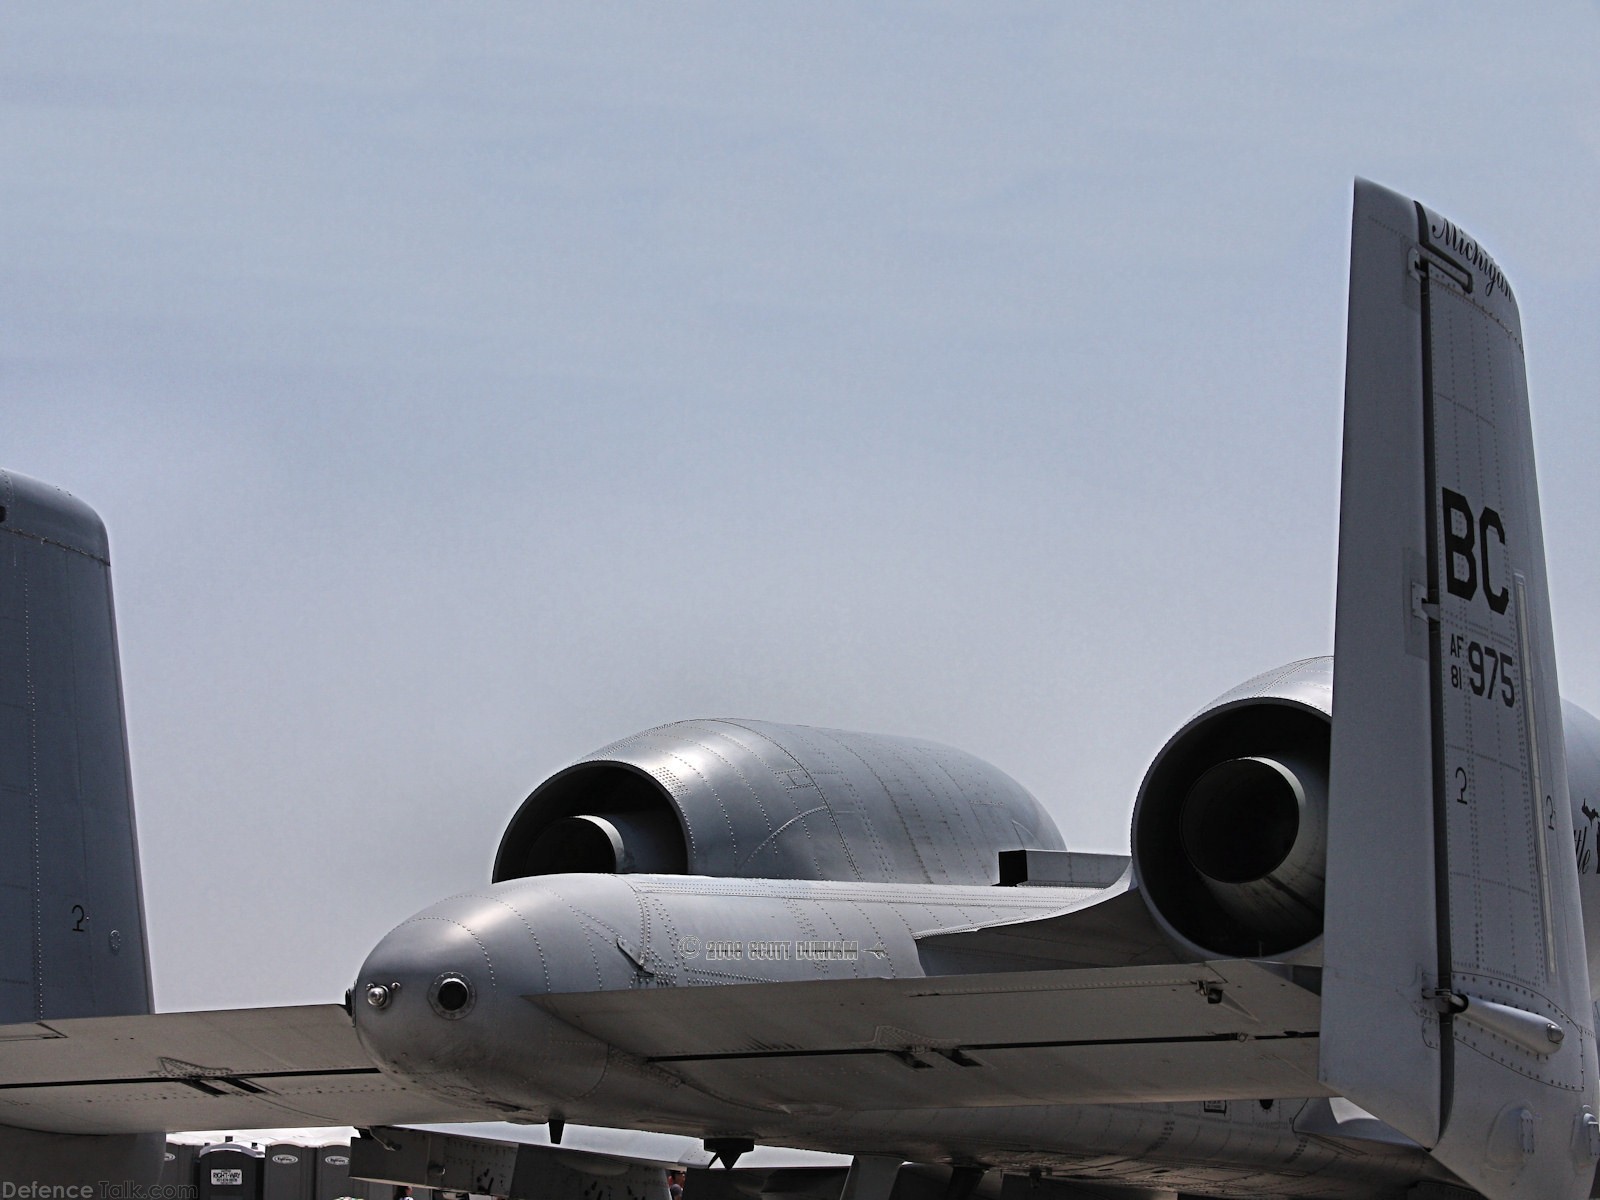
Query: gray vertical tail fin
{"points": [[1456, 1000], [72, 933]]}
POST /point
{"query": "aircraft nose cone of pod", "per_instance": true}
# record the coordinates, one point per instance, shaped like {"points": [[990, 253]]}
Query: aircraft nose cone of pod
{"points": [[426, 990], [442, 1001]]}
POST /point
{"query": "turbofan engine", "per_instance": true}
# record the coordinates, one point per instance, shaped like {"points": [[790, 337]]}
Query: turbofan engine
{"points": [[757, 800], [1230, 828]]}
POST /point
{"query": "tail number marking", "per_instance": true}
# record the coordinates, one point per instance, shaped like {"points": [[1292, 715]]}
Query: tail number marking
{"points": [[1488, 671], [1466, 551]]}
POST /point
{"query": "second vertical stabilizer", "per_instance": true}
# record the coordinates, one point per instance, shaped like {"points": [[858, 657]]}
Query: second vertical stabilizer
{"points": [[71, 909]]}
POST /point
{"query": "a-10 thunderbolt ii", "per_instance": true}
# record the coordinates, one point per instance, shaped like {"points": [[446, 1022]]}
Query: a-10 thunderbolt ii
{"points": [[1346, 957]]}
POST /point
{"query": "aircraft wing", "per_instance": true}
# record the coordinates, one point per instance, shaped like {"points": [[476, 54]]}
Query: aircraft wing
{"points": [[1067, 1009], [247, 1068], [1214, 1030]]}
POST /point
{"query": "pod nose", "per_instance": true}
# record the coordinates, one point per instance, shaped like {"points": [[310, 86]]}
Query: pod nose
{"points": [[417, 993], [432, 954], [442, 1000]]}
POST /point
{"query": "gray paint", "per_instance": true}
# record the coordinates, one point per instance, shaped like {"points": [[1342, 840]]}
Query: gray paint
{"points": [[980, 378], [1459, 799], [759, 800], [72, 931], [333, 1180], [595, 998], [177, 1165], [288, 1172], [283, 1067], [228, 1171], [72, 913], [1060, 868], [1282, 712], [28, 1155], [1582, 737], [1381, 677], [450, 1162]]}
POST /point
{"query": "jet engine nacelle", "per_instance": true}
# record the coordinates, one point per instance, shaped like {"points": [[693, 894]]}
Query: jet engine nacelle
{"points": [[1230, 828], [757, 800]]}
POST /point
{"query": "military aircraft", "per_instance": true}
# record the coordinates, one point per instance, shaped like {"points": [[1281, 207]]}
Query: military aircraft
{"points": [[1346, 956]]}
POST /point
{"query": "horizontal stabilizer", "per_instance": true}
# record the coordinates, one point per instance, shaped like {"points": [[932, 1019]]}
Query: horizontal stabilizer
{"points": [[1190, 1031], [247, 1068]]}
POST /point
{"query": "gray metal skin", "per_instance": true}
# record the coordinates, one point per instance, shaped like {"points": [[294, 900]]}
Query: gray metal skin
{"points": [[707, 835], [1583, 781], [755, 800], [72, 932], [569, 933], [1447, 757], [564, 933], [1283, 713], [805, 835]]}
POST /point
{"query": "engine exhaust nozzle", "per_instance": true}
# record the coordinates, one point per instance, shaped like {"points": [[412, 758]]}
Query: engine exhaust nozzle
{"points": [[1254, 829]]}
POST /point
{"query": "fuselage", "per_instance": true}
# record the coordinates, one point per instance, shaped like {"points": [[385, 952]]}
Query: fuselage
{"points": [[462, 1000], [494, 953]]}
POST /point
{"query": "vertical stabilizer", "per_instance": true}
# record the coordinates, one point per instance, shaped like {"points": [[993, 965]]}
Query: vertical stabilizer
{"points": [[71, 910], [1456, 999]]}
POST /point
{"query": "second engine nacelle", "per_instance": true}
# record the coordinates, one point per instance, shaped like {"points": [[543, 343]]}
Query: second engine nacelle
{"points": [[754, 799], [1230, 828]]}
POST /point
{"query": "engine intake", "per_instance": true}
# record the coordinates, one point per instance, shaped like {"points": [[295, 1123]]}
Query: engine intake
{"points": [[1230, 829]]}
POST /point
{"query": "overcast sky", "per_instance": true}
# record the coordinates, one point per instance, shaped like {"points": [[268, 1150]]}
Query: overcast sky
{"points": [[466, 386]]}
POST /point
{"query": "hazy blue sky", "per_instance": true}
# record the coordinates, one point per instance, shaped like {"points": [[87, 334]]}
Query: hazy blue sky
{"points": [[466, 386]]}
